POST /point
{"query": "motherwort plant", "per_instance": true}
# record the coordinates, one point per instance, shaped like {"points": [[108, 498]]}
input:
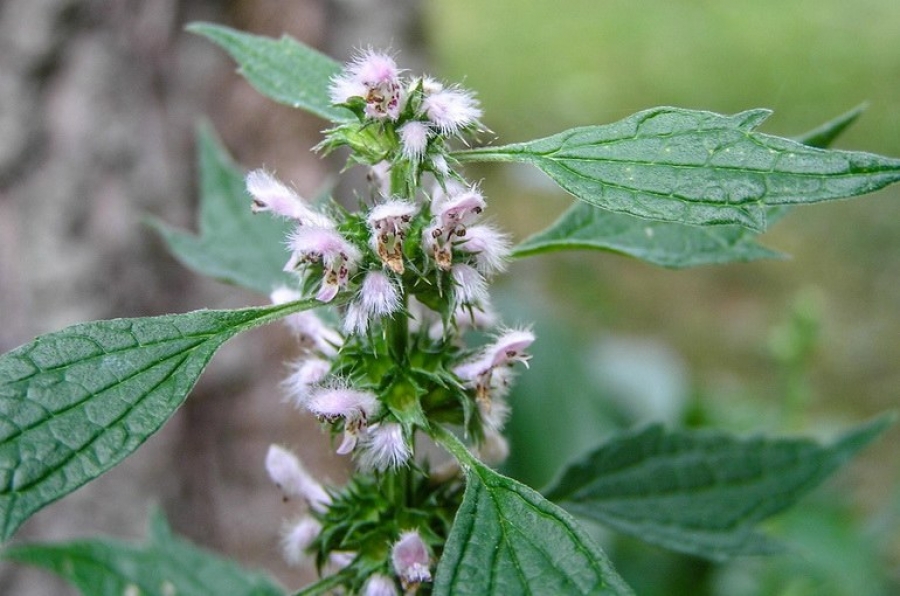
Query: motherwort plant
{"points": [[401, 351]]}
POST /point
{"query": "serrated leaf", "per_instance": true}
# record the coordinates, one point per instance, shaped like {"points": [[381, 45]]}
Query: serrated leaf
{"points": [[235, 245], [694, 167], [672, 245], [283, 69], [667, 244], [164, 565], [700, 492], [507, 539], [74, 403]]}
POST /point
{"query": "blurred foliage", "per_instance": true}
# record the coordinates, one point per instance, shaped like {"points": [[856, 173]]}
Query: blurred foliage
{"points": [[807, 345]]}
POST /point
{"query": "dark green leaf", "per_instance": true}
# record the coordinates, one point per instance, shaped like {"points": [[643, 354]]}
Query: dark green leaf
{"points": [[282, 69], [234, 245], [74, 403], [165, 565], [700, 492], [583, 226], [507, 539], [665, 243], [694, 167]]}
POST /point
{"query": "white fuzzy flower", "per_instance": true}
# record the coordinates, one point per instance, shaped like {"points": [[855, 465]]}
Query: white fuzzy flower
{"points": [[469, 287], [305, 375], [271, 195], [353, 406], [380, 585], [489, 246], [297, 537], [375, 78], [286, 471], [378, 297], [451, 109], [384, 448], [414, 137]]}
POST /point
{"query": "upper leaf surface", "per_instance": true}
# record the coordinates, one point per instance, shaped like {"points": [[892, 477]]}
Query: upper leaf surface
{"points": [[507, 539], [584, 226], [283, 69], [76, 402], [163, 565], [694, 167], [700, 492], [667, 244], [234, 245]]}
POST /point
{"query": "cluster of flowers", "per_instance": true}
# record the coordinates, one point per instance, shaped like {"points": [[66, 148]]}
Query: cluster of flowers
{"points": [[407, 277]]}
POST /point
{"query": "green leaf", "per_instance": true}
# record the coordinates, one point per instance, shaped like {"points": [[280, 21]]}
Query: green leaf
{"points": [[164, 565], [74, 403], [694, 167], [282, 69], [507, 539], [234, 245], [700, 492], [667, 244], [825, 134], [673, 245]]}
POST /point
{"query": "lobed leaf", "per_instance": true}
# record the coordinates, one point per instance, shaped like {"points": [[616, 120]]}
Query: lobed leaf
{"points": [[235, 245], [74, 403], [507, 539], [163, 565], [694, 167], [700, 492], [283, 69]]}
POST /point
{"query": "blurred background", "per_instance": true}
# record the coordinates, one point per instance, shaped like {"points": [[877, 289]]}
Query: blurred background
{"points": [[98, 103]]}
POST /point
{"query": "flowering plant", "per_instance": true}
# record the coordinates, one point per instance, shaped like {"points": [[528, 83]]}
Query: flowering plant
{"points": [[396, 357]]}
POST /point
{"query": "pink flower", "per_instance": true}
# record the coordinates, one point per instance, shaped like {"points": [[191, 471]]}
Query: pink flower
{"points": [[461, 209], [297, 537], [271, 195], [414, 137], [384, 448], [380, 585], [489, 246], [290, 476], [389, 222], [305, 375], [451, 109], [451, 214], [469, 286], [354, 407], [486, 370], [374, 76], [411, 560], [338, 257], [378, 297]]}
